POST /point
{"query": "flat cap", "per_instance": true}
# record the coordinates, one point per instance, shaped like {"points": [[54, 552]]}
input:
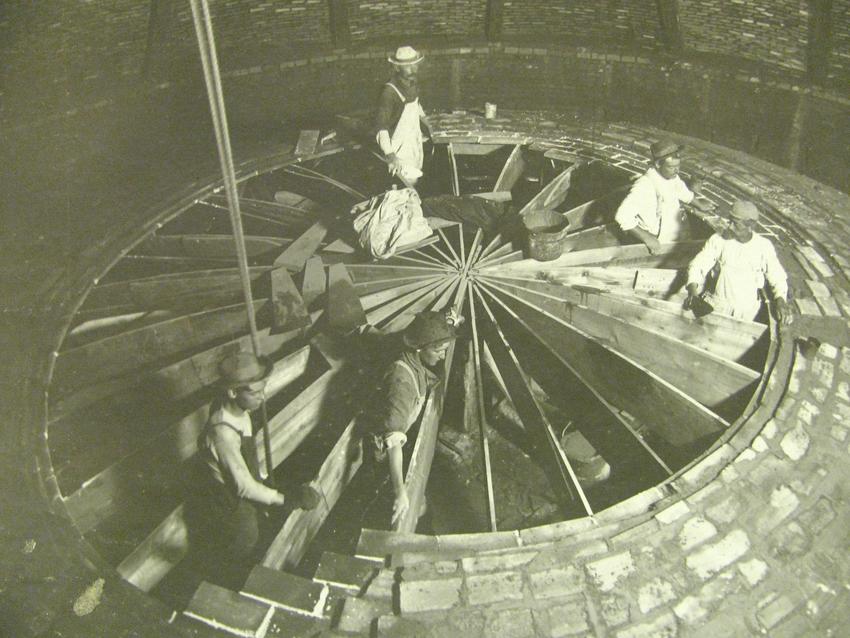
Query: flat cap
{"points": [[743, 209], [664, 148]]}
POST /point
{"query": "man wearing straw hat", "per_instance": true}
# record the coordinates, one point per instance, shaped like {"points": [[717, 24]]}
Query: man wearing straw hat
{"points": [[745, 260], [651, 212], [229, 489], [399, 134]]}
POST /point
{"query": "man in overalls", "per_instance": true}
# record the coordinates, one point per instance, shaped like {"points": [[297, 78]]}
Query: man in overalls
{"points": [[399, 134], [401, 395], [228, 492], [651, 212]]}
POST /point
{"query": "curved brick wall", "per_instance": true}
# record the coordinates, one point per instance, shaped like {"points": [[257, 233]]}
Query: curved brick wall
{"points": [[773, 31], [622, 22], [382, 19]]}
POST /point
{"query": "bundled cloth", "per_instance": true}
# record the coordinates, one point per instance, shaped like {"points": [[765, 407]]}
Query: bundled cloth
{"points": [[389, 221]]}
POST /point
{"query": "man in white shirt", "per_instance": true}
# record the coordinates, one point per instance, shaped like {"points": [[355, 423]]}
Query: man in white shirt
{"points": [[651, 212], [745, 261]]}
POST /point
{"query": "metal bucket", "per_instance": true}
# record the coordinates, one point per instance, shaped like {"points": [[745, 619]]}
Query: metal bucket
{"points": [[546, 231]]}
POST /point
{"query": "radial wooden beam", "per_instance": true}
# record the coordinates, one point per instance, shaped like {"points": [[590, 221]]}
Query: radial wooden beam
{"points": [[453, 167], [375, 299], [680, 364], [207, 246], [549, 452], [724, 337], [174, 290], [366, 287], [383, 312], [296, 254], [550, 195], [474, 402], [338, 469], [370, 273], [674, 416], [421, 459], [511, 171], [673, 255], [129, 352], [599, 210], [400, 320]]}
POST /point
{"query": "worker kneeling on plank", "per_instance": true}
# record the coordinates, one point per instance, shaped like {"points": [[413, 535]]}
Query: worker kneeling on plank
{"points": [[229, 491], [745, 261], [401, 396]]}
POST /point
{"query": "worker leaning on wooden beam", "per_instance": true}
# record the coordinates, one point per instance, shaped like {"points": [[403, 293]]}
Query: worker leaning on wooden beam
{"points": [[652, 211], [399, 134], [228, 490], [745, 260], [401, 395]]}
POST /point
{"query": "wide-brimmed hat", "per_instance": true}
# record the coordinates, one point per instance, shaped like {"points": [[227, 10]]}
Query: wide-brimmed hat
{"points": [[405, 55], [429, 328], [744, 210], [243, 368], [664, 148]]}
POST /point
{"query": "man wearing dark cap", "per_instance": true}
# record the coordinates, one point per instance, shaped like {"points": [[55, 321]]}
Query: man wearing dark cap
{"points": [[230, 487], [651, 212], [399, 134], [746, 260], [401, 396]]}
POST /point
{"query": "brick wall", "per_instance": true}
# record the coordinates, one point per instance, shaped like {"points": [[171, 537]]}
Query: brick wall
{"points": [[371, 19], [772, 31], [839, 61], [627, 22]]}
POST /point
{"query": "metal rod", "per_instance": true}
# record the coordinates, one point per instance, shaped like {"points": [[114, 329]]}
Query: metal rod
{"points": [[212, 77]]}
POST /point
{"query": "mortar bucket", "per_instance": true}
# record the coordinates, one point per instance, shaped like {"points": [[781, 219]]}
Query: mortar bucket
{"points": [[546, 230]]}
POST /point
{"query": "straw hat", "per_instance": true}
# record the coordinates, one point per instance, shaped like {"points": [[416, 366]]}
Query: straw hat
{"points": [[406, 55]]}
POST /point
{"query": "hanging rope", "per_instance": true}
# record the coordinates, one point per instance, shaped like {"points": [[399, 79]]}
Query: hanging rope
{"points": [[209, 61]]}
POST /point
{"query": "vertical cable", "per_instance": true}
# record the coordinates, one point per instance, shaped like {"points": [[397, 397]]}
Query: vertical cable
{"points": [[209, 62]]}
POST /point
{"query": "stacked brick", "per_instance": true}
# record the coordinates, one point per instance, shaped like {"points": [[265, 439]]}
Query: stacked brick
{"points": [[372, 19], [620, 22], [772, 31], [839, 61]]}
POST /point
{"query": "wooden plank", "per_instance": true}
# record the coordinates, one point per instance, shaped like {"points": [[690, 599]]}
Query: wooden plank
{"points": [[625, 384], [339, 246], [207, 246], [495, 196], [307, 142], [453, 166], [376, 272], [443, 300], [597, 211], [678, 363], [337, 470], [421, 459], [129, 352], [344, 311], [375, 299], [159, 553], [288, 309], [160, 459], [286, 591], [402, 319], [175, 290], [178, 380], [673, 255], [483, 148], [367, 287], [589, 238], [383, 312], [724, 337], [474, 412], [550, 195], [655, 282], [511, 171], [315, 280], [299, 251], [537, 426]]}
